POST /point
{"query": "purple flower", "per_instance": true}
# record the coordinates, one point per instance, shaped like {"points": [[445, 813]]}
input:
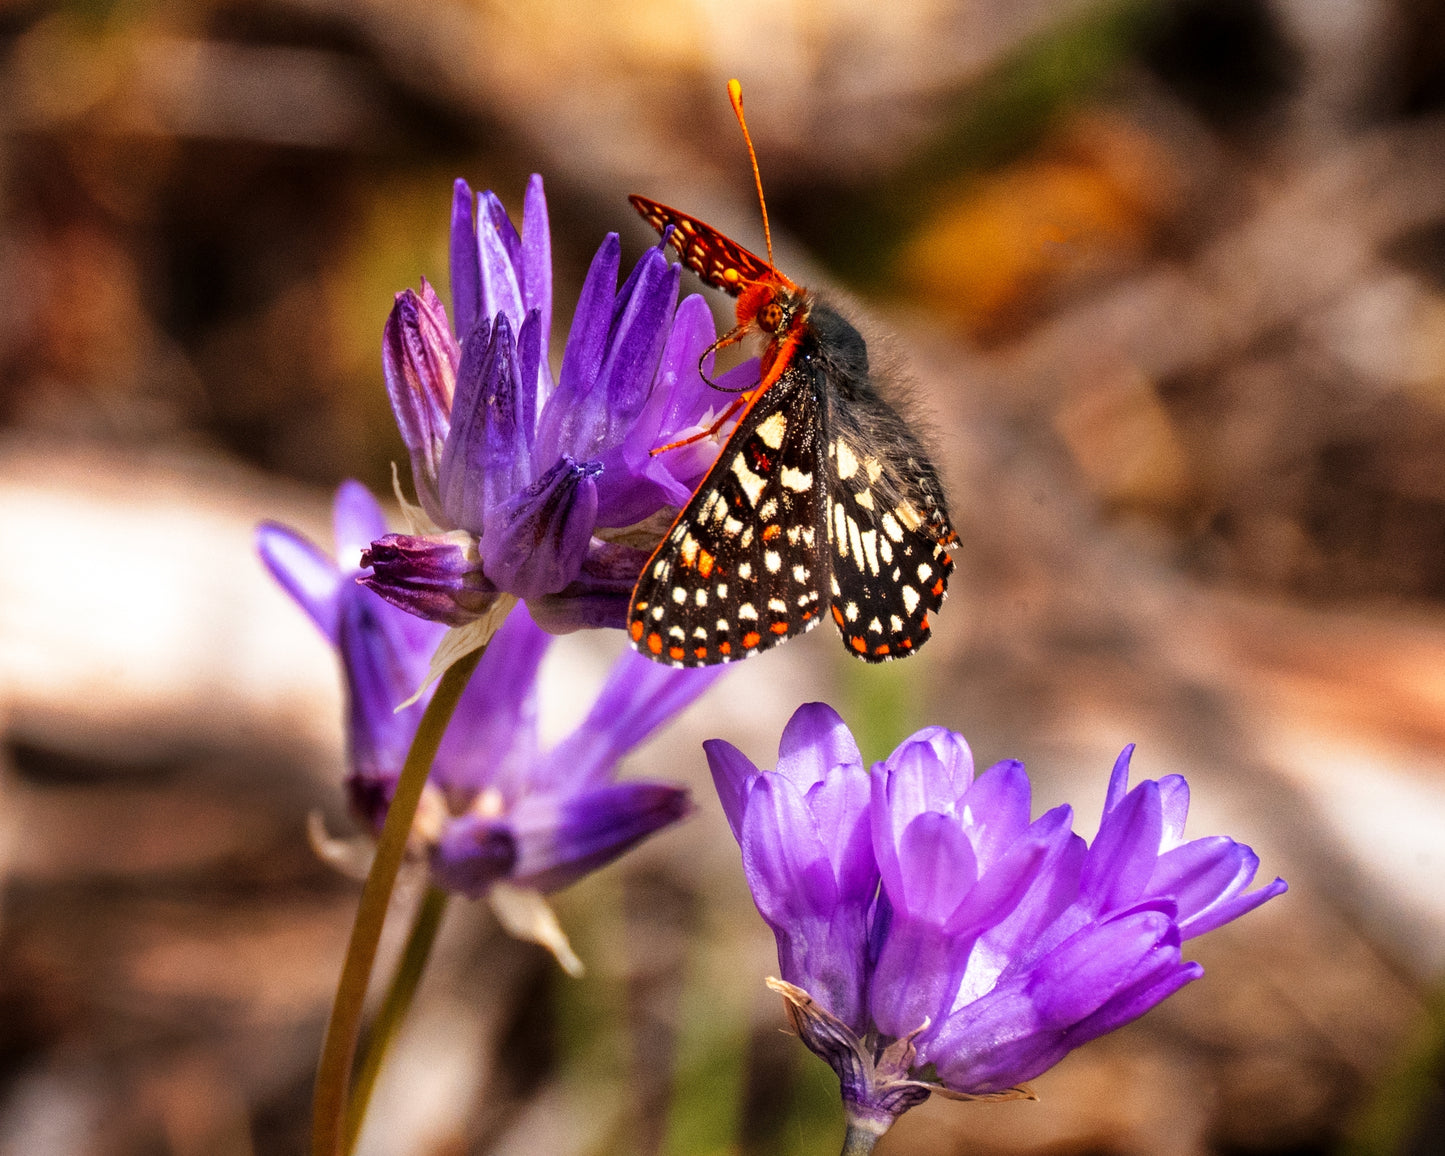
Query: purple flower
{"points": [[531, 485], [932, 937], [497, 808]]}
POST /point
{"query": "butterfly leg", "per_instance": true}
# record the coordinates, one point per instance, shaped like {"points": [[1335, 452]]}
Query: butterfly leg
{"points": [[727, 415]]}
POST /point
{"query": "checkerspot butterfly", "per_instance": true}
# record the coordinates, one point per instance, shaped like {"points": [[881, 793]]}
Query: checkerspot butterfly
{"points": [[822, 501]]}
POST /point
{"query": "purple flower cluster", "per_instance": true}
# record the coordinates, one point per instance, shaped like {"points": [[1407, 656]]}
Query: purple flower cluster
{"points": [[926, 925], [497, 806], [532, 485]]}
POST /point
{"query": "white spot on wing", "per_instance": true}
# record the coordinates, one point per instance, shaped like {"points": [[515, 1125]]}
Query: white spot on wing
{"points": [[773, 561], [910, 598], [752, 484], [796, 480], [870, 548], [748, 611], [855, 541], [772, 428], [847, 461]]}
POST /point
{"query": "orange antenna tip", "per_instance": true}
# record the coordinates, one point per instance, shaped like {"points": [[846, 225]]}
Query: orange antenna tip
{"points": [[735, 98]]}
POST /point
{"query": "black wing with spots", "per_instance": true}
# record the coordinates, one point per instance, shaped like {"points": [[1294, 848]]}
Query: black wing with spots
{"points": [[745, 565], [821, 495]]}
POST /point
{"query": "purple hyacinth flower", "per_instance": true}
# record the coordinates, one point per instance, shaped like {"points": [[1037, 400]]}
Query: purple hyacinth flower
{"points": [[529, 484], [497, 807], [933, 937]]}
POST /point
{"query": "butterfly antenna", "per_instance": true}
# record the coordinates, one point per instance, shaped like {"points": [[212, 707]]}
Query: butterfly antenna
{"points": [[735, 97]]}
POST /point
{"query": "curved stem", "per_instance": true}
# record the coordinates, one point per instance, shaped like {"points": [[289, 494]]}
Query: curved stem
{"points": [[394, 1007], [339, 1049]]}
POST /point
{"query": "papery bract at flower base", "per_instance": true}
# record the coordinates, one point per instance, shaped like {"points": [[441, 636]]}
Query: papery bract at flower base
{"points": [[933, 938], [538, 477], [497, 808]]}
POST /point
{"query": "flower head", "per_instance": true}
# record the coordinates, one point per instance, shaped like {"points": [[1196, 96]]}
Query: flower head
{"points": [[530, 483], [498, 807], [928, 927]]}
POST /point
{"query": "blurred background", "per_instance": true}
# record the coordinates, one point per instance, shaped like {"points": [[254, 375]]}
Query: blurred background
{"points": [[1168, 278]]}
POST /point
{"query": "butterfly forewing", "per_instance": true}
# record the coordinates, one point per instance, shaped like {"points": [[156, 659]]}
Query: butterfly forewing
{"points": [[718, 260], [745, 564]]}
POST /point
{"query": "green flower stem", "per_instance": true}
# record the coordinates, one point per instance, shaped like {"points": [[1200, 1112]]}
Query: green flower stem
{"points": [[394, 1007], [860, 1140], [339, 1049]]}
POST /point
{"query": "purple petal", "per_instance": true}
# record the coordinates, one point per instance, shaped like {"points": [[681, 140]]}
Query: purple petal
{"points": [[605, 415], [559, 841], [639, 696], [1034, 926], [304, 572], [483, 459], [492, 738], [1232, 909], [500, 250], [1124, 852], [420, 360], [536, 540], [784, 860], [1024, 1027], [680, 406], [583, 355], [473, 853], [502, 452], [937, 868], [1174, 807], [815, 741], [384, 664], [432, 576], [996, 808], [1003, 884], [600, 595], [915, 976], [1118, 780], [459, 477], [840, 813], [822, 940], [680, 397], [1163, 978], [933, 769], [536, 251], [732, 772], [465, 271], [357, 521]]}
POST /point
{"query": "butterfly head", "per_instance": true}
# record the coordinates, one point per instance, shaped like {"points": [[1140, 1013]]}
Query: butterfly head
{"points": [[775, 305]]}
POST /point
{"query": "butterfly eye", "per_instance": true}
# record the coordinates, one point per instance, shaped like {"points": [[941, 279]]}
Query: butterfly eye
{"points": [[770, 317]]}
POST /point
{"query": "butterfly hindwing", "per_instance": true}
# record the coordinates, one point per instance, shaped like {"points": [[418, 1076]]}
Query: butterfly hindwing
{"points": [[886, 541], [745, 564], [718, 260]]}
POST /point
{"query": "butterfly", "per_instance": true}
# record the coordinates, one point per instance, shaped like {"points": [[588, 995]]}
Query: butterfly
{"points": [[822, 501]]}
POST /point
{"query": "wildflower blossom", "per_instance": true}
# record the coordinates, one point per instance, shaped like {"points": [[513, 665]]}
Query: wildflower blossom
{"points": [[498, 808], [932, 938], [531, 487]]}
